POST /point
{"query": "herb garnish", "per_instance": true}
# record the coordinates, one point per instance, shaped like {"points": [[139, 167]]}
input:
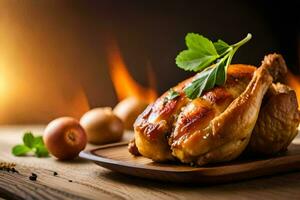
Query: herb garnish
{"points": [[31, 144], [172, 94], [208, 58]]}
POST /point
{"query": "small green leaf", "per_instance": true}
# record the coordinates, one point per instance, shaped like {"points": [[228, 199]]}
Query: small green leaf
{"points": [[221, 72], [200, 54], [39, 148], [172, 94], [204, 81], [38, 141], [221, 46], [191, 60], [28, 139], [41, 151], [20, 150], [200, 44]]}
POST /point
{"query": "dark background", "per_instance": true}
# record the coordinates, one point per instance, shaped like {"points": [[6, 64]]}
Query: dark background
{"points": [[49, 50]]}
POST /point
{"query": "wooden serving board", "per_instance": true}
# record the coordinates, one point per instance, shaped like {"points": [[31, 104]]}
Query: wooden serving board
{"points": [[117, 158]]}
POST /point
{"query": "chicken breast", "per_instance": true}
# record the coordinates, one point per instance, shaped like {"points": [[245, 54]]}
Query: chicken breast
{"points": [[154, 126], [215, 127]]}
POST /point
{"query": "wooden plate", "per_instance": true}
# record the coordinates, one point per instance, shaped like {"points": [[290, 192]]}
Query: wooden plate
{"points": [[117, 158]]}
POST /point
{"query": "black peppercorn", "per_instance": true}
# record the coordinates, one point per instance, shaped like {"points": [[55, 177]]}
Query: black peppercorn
{"points": [[14, 170], [33, 177]]}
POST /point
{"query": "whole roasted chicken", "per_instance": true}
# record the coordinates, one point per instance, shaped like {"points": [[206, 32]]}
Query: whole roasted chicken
{"points": [[218, 125]]}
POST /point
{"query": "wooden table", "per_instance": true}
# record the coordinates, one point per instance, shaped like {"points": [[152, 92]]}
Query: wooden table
{"points": [[90, 181]]}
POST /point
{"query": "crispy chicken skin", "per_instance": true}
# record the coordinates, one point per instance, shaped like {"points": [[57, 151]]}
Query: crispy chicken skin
{"points": [[215, 127], [226, 134], [277, 123], [155, 125]]}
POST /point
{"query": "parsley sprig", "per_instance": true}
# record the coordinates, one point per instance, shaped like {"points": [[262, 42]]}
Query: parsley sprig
{"points": [[209, 58], [31, 143], [172, 94]]}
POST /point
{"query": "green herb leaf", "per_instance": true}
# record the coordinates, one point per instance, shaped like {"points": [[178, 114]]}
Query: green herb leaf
{"points": [[20, 150], [210, 59], [200, 44], [222, 71], [38, 141], [200, 54], [28, 139], [31, 144], [221, 46], [41, 151], [172, 94], [191, 60]]}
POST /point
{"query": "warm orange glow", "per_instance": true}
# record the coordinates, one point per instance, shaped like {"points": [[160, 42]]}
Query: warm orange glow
{"points": [[124, 84], [294, 82], [37, 82]]}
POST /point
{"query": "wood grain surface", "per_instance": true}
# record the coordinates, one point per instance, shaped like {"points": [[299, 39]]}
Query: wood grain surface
{"points": [[90, 181]]}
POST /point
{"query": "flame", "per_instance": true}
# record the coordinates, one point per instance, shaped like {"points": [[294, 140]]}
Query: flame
{"points": [[294, 82], [125, 86]]}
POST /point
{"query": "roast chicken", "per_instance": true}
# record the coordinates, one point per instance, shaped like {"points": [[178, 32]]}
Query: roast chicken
{"points": [[217, 126]]}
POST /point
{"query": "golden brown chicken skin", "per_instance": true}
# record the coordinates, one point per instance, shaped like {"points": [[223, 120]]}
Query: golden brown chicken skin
{"points": [[277, 123], [199, 112], [215, 127], [227, 134], [155, 125]]}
